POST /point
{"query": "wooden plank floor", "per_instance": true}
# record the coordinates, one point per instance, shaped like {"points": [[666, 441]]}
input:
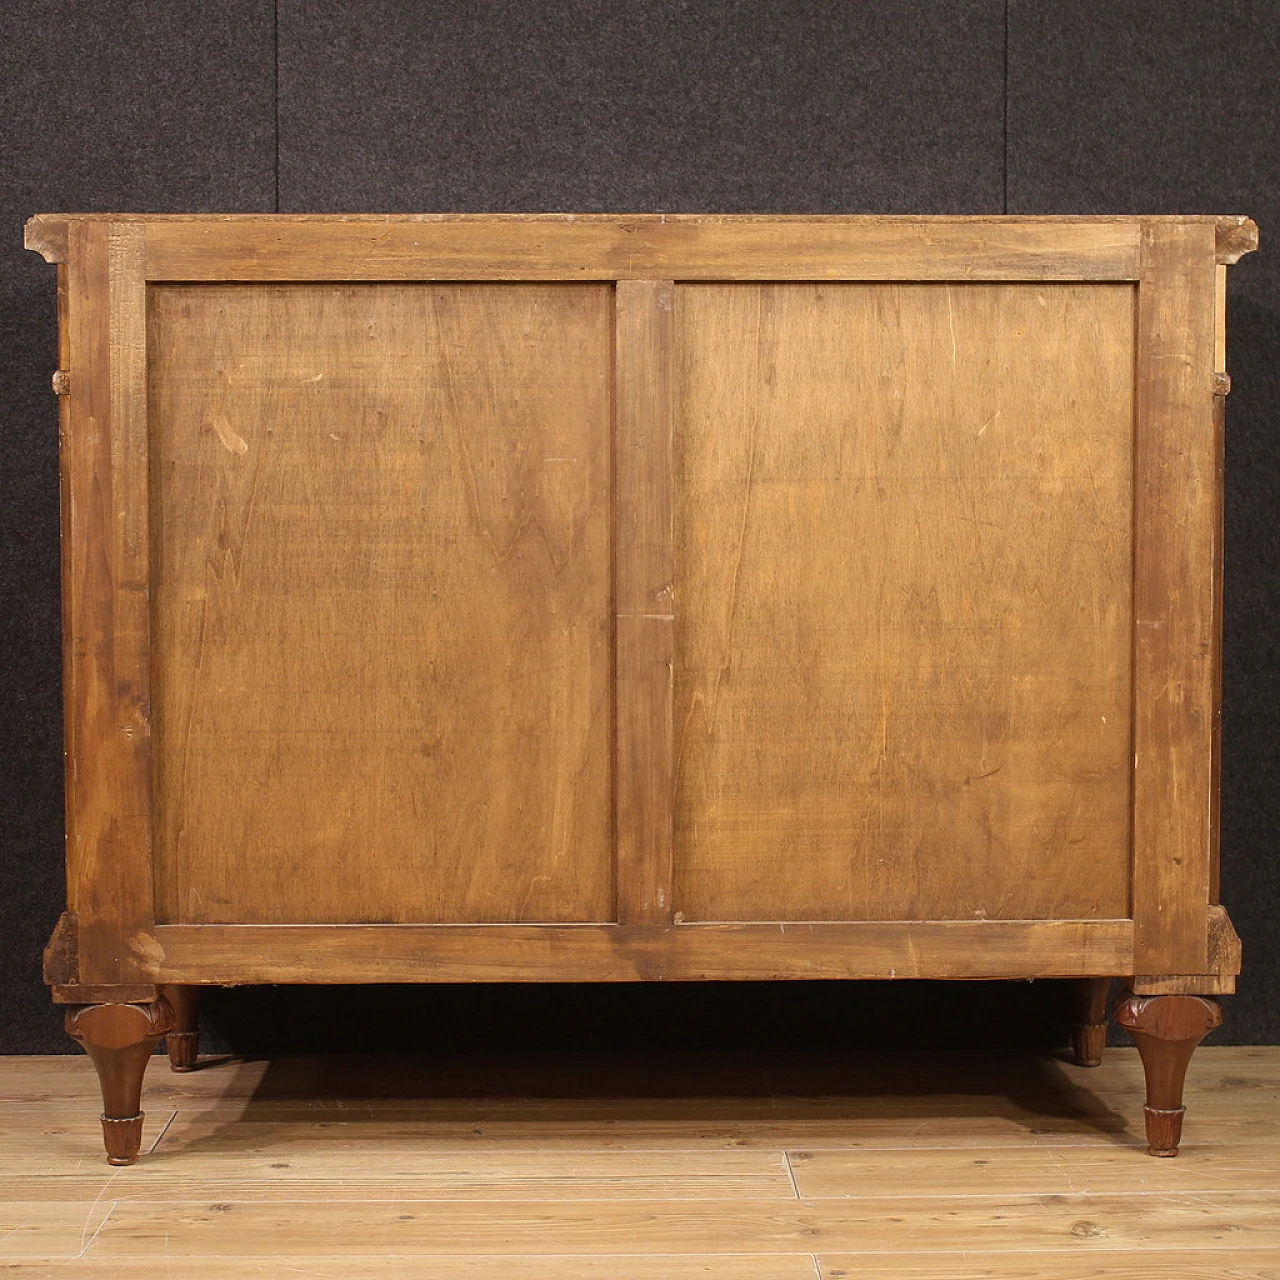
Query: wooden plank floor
{"points": [[750, 1166]]}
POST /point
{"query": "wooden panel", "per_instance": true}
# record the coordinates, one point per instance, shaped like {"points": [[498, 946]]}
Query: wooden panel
{"points": [[602, 953], [640, 247], [903, 588], [645, 624], [105, 600], [1176, 521], [382, 620]]}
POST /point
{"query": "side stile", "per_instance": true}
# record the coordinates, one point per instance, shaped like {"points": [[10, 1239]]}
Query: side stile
{"points": [[1176, 549], [107, 621]]}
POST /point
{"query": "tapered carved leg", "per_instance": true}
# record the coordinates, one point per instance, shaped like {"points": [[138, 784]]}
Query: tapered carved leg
{"points": [[1166, 1030], [119, 1038], [183, 1042], [1089, 1034]]}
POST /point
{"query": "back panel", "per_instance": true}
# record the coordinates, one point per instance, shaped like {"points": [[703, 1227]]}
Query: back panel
{"points": [[381, 614]]}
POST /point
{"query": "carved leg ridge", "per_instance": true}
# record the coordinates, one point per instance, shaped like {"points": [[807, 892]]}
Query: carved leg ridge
{"points": [[120, 1039], [1166, 1030]]}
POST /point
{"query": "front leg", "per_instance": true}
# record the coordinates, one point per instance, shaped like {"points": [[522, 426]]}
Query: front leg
{"points": [[1166, 1030], [120, 1039]]}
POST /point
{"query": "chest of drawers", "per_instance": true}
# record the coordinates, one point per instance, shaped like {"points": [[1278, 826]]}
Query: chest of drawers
{"points": [[606, 598]]}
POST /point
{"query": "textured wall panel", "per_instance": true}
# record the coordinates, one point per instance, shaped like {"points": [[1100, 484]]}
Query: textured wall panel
{"points": [[1136, 108], [488, 105], [112, 105]]}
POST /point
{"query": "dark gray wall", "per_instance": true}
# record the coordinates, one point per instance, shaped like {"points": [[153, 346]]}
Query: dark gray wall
{"points": [[977, 106]]}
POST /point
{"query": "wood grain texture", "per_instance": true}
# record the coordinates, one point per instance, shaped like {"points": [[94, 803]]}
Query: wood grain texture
{"points": [[643, 247], [903, 576], [310, 1266], [1148, 1262], [1176, 633], [106, 590], [644, 575], [602, 953], [1219, 979], [1221, 389], [1093, 1168], [886, 1224], [376, 1164], [383, 602]]}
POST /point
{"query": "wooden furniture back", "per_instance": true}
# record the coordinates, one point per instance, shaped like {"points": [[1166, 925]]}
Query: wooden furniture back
{"points": [[381, 659], [611, 598]]}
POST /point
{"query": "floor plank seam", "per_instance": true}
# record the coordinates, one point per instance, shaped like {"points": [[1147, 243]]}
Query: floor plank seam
{"points": [[791, 1173], [151, 1150]]}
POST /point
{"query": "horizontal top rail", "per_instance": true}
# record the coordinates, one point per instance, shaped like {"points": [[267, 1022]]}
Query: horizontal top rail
{"points": [[282, 247]]}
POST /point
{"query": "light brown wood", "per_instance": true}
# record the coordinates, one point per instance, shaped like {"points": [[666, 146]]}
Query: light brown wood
{"points": [[644, 585], [382, 612], [643, 247], [580, 953], [390, 1166], [373, 1163], [34, 1229], [106, 602], [1082, 1222], [491, 1267], [1233, 237], [1151, 1262], [1176, 519], [902, 682], [1102, 1264], [1220, 977], [1092, 1168]]}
